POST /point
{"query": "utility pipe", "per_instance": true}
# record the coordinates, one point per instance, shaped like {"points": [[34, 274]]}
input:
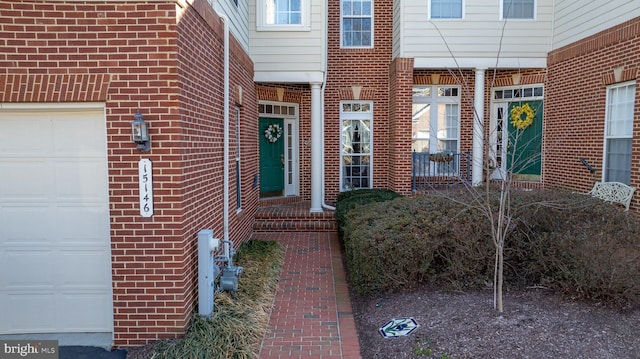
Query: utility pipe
{"points": [[322, 88], [225, 200]]}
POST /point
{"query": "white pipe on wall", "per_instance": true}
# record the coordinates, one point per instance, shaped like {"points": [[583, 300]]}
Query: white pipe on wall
{"points": [[225, 200]]}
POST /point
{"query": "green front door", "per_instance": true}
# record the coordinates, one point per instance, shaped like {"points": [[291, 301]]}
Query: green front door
{"points": [[271, 156], [524, 153]]}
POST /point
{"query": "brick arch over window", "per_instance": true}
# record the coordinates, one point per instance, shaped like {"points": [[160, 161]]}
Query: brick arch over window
{"points": [[347, 93], [624, 74], [265, 93], [54, 88]]}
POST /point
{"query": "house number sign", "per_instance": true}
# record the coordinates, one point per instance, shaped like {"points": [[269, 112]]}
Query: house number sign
{"points": [[145, 171]]}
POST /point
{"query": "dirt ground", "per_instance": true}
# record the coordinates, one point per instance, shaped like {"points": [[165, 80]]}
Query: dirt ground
{"points": [[534, 324]]}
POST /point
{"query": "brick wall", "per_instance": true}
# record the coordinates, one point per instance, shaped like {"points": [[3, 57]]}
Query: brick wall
{"points": [[132, 55], [575, 97], [368, 69], [400, 129]]}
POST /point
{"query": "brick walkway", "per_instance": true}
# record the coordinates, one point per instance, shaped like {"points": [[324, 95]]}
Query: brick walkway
{"points": [[311, 315]]}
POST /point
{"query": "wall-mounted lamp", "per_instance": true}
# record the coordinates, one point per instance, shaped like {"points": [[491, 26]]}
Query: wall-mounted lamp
{"points": [[140, 133]]}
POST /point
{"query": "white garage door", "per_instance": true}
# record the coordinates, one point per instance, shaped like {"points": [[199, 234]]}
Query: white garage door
{"points": [[55, 256]]}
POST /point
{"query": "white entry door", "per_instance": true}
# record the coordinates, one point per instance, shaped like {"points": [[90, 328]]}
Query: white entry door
{"points": [[55, 256]]}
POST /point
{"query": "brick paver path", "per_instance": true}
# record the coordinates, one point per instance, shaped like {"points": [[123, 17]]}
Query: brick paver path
{"points": [[311, 315]]}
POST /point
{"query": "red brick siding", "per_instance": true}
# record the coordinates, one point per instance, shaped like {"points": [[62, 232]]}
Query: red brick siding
{"points": [[131, 55], [400, 125], [368, 68], [575, 97]]}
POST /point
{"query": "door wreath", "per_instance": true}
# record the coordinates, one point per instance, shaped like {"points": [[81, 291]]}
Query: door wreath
{"points": [[273, 132], [516, 116]]}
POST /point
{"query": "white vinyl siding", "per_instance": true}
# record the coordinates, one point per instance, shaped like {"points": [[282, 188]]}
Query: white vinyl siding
{"points": [[238, 13], [576, 20], [618, 133], [294, 54], [480, 35]]}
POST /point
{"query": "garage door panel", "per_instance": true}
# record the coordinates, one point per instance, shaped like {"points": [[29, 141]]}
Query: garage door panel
{"points": [[26, 179], [30, 313], [29, 269], [83, 225], [84, 131], [84, 305], [86, 181], [18, 129], [24, 223], [90, 272]]}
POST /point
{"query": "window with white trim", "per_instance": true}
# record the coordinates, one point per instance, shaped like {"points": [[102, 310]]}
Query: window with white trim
{"points": [[445, 9], [436, 119], [356, 23], [356, 144], [518, 9], [238, 172], [283, 15], [618, 134]]}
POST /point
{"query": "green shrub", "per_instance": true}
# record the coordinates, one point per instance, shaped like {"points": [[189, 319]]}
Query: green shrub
{"points": [[348, 200], [399, 243], [572, 243]]}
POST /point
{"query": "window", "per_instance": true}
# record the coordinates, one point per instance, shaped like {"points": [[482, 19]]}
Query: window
{"points": [[238, 173], [518, 9], [283, 15], [357, 23], [445, 9], [436, 119], [355, 145], [618, 133]]}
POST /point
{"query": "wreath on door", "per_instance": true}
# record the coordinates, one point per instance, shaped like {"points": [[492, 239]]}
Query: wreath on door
{"points": [[517, 119], [273, 132]]}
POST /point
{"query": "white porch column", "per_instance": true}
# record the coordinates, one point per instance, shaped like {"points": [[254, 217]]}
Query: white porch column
{"points": [[478, 128], [316, 148]]}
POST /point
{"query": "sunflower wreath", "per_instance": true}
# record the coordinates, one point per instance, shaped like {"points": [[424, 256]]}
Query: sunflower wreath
{"points": [[273, 133], [516, 116]]}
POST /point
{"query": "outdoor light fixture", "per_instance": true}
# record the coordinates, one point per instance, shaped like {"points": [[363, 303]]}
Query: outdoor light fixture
{"points": [[140, 133]]}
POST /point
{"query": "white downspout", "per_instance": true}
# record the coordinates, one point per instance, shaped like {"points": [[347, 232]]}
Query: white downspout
{"points": [[324, 84], [225, 205]]}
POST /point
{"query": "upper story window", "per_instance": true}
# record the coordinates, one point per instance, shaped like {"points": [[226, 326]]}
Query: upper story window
{"points": [[445, 9], [518, 9], [283, 15], [618, 136], [356, 23]]}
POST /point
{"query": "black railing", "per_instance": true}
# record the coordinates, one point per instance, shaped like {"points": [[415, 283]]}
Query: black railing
{"points": [[436, 170]]}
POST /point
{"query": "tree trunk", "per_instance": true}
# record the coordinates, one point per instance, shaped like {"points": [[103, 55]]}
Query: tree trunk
{"points": [[499, 286]]}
